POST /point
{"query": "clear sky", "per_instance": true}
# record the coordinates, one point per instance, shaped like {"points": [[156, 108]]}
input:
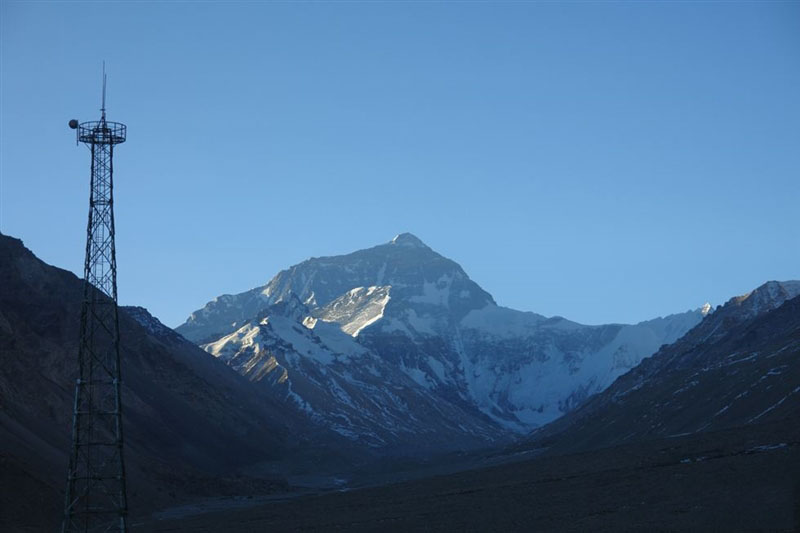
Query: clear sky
{"points": [[603, 161]]}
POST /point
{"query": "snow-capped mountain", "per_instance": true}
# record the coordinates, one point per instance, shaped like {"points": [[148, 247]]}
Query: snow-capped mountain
{"points": [[405, 269], [399, 316], [740, 366], [345, 385]]}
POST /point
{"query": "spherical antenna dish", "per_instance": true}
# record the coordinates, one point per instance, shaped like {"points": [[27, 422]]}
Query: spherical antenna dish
{"points": [[73, 124]]}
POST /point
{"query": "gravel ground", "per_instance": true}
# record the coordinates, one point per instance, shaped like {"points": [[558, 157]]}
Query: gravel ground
{"points": [[734, 480]]}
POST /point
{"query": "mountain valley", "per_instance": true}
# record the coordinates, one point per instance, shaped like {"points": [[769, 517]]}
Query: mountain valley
{"points": [[387, 380]]}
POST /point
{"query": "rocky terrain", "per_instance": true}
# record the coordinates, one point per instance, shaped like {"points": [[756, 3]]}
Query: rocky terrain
{"points": [[384, 389], [741, 479], [740, 366], [325, 331]]}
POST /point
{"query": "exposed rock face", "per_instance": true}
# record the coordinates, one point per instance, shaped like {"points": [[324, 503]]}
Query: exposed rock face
{"points": [[425, 327], [346, 386]]}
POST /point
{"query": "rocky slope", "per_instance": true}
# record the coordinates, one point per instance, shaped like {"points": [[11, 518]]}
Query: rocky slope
{"points": [[416, 322], [740, 366], [192, 426]]}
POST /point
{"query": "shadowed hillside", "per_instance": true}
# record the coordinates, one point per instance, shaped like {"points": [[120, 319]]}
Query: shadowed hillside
{"points": [[192, 425]]}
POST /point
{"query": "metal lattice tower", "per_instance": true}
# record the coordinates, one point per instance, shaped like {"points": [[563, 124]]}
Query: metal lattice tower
{"points": [[96, 499]]}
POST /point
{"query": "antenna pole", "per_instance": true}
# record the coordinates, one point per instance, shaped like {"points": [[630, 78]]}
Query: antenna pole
{"points": [[103, 109]]}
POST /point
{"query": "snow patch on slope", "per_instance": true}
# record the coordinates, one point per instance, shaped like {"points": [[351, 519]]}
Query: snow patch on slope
{"points": [[228, 346], [356, 309]]}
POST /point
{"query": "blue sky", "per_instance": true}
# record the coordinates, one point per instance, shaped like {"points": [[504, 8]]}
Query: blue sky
{"points": [[607, 162]]}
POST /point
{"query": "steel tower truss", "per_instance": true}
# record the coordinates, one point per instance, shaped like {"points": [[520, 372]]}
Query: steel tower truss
{"points": [[96, 498]]}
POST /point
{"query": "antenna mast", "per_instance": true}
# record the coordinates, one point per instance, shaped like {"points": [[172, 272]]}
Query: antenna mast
{"points": [[96, 497], [103, 109]]}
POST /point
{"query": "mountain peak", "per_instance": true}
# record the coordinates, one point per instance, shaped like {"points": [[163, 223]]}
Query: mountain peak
{"points": [[766, 297], [772, 291], [407, 239]]}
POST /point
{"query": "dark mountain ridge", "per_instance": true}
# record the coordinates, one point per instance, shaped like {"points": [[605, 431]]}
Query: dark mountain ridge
{"points": [[739, 366], [192, 425]]}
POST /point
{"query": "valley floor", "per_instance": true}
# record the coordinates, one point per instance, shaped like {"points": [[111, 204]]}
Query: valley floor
{"points": [[740, 479]]}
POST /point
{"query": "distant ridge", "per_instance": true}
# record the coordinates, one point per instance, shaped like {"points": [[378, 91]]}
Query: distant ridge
{"points": [[739, 366]]}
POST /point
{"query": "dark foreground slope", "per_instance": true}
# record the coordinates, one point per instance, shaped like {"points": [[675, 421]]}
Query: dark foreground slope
{"points": [[732, 480], [191, 424]]}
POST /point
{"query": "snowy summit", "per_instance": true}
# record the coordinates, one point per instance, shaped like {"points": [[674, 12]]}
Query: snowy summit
{"points": [[399, 316], [408, 239]]}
